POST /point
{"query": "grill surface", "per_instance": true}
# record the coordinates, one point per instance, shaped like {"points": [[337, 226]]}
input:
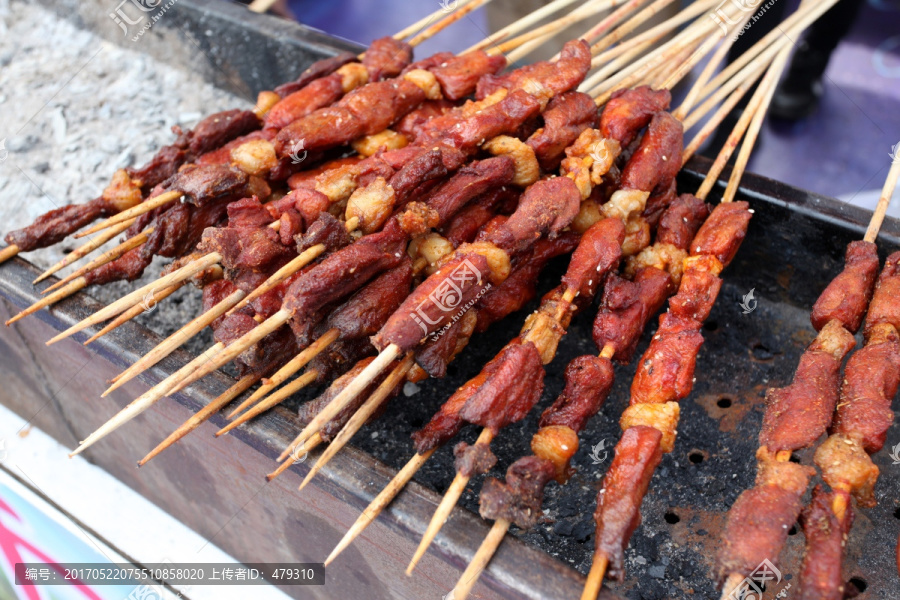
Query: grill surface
{"points": [[795, 245]]}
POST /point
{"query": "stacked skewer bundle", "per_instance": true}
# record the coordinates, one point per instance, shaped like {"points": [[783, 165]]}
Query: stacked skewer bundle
{"points": [[365, 220]]}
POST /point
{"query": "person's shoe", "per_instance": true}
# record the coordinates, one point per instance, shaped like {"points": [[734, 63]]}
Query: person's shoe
{"points": [[798, 95]]}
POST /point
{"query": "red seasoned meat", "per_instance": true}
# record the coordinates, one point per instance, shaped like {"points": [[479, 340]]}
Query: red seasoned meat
{"points": [[367, 310], [436, 353], [464, 226], [320, 68], [848, 294], [510, 390], [127, 267], [666, 370], [435, 302], [657, 160], [681, 221], [520, 287], [417, 176], [459, 75], [821, 577], [446, 423], [588, 382], [54, 226], [386, 58], [619, 502], [208, 183], [217, 129], [411, 124], [884, 307], [870, 383], [340, 274], [501, 118], [797, 415], [325, 230], [598, 253], [545, 209], [519, 499], [630, 110], [320, 93], [627, 307], [471, 181], [698, 289], [565, 117], [722, 233], [473, 460]]}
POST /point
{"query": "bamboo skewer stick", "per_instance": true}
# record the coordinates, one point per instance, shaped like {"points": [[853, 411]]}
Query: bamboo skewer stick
{"points": [[627, 27], [887, 191], [520, 25], [135, 211], [446, 21], [60, 294], [148, 304], [84, 250], [143, 402], [353, 389], [202, 415], [448, 502], [308, 447], [136, 296], [480, 560], [295, 364], [107, 257], [379, 503], [360, 417], [8, 252], [424, 21], [588, 9], [174, 341], [234, 349], [273, 400], [602, 28]]}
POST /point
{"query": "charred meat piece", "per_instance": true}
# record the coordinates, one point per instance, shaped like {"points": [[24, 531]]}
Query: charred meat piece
{"points": [[545, 209], [665, 372], [681, 221], [513, 386], [207, 183], [446, 422], [760, 518], [386, 58], [884, 307], [434, 303], [163, 165], [565, 118], [699, 287], [54, 226], [588, 382], [216, 130], [597, 254], [417, 176], [180, 228], [657, 160], [320, 68], [520, 287], [127, 267], [619, 502], [630, 110], [435, 354], [797, 415], [340, 274], [320, 93], [848, 294], [870, 383], [459, 75], [821, 577], [325, 230], [365, 111], [519, 499], [473, 460], [367, 310], [627, 307], [722, 233], [471, 181], [411, 124]]}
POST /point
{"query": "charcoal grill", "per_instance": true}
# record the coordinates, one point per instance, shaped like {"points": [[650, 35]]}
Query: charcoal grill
{"points": [[795, 245]]}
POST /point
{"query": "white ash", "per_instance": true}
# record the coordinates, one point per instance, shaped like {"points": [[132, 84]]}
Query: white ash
{"points": [[76, 108]]}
